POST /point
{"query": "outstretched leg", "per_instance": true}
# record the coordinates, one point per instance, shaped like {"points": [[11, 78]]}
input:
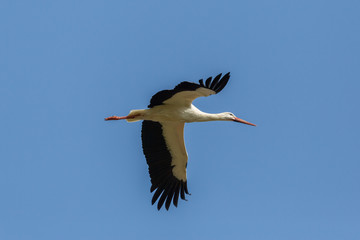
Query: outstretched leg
{"points": [[121, 118], [116, 118]]}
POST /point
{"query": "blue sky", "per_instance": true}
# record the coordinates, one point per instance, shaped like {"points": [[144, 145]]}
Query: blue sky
{"points": [[65, 173]]}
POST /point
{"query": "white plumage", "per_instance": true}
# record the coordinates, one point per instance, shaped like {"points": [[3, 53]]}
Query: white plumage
{"points": [[163, 134]]}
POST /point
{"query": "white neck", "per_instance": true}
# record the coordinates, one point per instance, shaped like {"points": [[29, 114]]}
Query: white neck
{"points": [[206, 117], [199, 116]]}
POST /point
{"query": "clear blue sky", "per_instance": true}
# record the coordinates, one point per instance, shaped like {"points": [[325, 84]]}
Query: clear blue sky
{"points": [[65, 173]]}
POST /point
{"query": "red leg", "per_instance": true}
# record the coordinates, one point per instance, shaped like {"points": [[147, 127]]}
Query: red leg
{"points": [[115, 118]]}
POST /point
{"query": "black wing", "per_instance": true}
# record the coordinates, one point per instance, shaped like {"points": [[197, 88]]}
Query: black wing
{"points": [[213, 87], [161, 162]]}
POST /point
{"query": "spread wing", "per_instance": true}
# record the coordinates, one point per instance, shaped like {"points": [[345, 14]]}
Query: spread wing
{"points": [[164, 149], [186, 92]]}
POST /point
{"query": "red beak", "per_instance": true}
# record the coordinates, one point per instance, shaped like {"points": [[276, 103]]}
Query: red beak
{"points": [[243, 121]]}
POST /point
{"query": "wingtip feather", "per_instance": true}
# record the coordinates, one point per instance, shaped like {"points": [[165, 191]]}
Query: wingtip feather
{"points": [[208, 81]]}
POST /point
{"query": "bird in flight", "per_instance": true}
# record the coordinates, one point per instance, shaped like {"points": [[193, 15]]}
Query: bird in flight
{"points": [[162, 134]]}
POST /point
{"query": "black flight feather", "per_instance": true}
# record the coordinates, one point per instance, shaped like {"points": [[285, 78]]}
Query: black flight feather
{"points": [[182, 193], [215, 81], [156, 195], [201, 83], [222, 83], [207, 83], [164, 195], [176, 196], [185, 188], [216, 85], [170, 196], [158, 157]]}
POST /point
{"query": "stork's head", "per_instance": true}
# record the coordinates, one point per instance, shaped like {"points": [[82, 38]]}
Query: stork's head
{"points": [[231, 117]]}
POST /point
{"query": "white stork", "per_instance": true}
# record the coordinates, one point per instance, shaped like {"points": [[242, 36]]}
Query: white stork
{"points": [[163, 134]]}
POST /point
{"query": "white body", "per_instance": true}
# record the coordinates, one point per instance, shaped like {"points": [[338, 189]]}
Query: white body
{"points": [[172, 115], [163, 134]]}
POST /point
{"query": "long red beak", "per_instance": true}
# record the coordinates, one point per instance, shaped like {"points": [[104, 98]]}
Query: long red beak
{"points": [[115, 118], [243, 121]]}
